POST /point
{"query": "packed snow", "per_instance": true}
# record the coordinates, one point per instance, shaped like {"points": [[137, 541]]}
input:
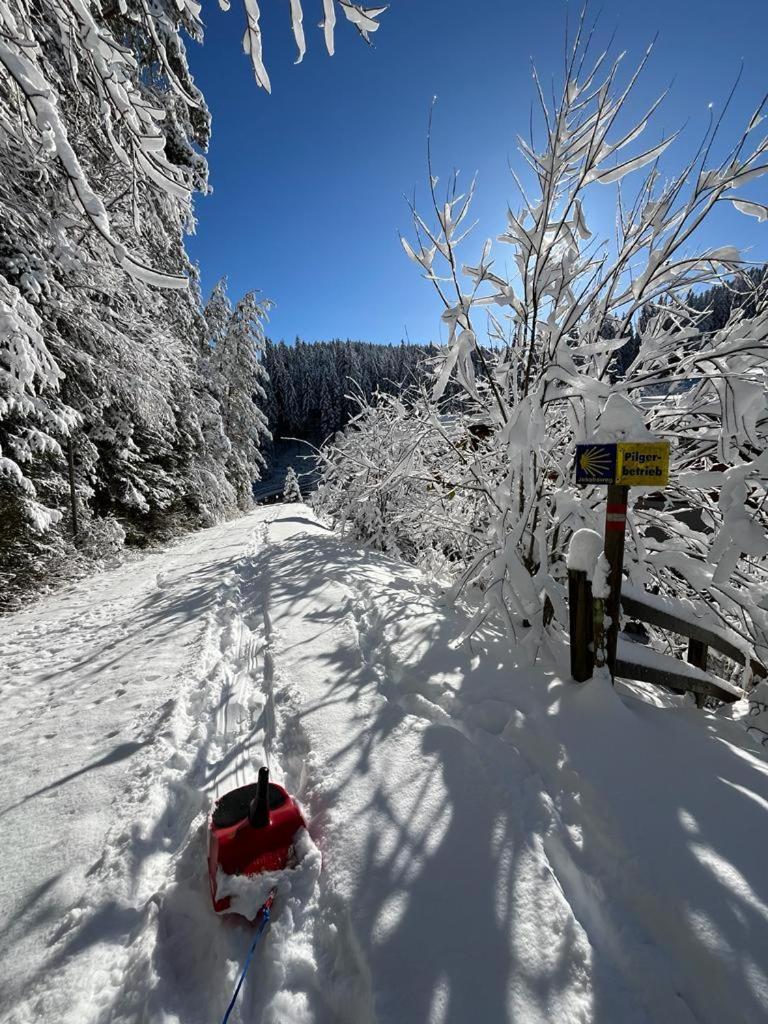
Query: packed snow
{"points": [[487, 841]]}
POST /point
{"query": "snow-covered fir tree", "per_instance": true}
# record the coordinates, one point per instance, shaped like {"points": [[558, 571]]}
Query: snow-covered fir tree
{"points": [[291, 489], [314, 389], [237, 377], [108, 424], [85, 252]]}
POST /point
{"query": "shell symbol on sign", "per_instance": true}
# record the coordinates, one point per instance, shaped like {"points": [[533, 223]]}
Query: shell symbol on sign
{"points": [[595, 461]]}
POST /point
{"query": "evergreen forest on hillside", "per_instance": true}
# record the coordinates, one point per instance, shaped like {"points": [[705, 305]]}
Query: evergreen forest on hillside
{"points": [[313, 390]]}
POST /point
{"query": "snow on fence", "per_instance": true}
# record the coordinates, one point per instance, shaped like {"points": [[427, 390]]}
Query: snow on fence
{"points": [[640, 663]]}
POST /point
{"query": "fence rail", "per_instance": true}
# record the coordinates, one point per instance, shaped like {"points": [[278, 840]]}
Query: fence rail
{"points": [[670, 673], [647, 608]]}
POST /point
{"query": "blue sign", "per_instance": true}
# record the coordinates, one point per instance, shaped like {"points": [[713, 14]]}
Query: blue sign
{"points": [[595, 464]]}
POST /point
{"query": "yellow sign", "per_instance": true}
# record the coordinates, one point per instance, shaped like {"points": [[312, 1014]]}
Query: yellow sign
{"points": [[642, 463]]}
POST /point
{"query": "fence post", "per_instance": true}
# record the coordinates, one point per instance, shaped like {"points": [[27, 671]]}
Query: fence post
{"points": [[615, 527], [580, 625], [697, 655], [598, 632]]}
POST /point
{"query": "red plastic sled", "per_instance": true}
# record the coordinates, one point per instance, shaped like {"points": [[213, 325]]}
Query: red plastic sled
{"points": [[251, 830]]}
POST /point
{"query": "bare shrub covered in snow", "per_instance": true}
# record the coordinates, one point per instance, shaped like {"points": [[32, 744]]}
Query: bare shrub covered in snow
{"points": [[534, 353], [404, 477]]}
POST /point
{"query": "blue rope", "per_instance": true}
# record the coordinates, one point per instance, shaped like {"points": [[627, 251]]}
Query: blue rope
{"points": [[265, 915]]}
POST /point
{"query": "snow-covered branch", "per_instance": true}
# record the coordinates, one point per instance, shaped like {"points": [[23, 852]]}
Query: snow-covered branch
{"points": [[589, 338]]}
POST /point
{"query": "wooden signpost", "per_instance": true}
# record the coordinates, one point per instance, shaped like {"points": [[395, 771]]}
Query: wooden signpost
{"points": [[618, 466]]}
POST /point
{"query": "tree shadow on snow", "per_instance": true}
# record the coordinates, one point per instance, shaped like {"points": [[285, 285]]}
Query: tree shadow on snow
{"points": [[500, 877], [429, 913], [535, 890]]}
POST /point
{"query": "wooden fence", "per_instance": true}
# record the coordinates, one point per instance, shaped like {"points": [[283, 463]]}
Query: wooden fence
{"points": [[635, 662]]}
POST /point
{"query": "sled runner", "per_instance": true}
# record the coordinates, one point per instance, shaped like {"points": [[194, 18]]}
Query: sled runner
{"points": [[251, 831]]}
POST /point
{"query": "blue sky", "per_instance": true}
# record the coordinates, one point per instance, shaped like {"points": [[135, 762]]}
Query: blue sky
{"points": [[309, 182]]}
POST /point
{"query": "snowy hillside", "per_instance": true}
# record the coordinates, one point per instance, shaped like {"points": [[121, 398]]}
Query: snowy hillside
{"points": [[497, 843]]}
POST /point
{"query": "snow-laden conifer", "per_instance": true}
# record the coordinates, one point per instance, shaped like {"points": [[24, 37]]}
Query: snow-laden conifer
{"points": [[291, 488], [237, 378], [314, 390], [106, 412]]}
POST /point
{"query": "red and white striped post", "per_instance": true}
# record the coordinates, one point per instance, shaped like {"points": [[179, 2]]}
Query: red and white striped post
{"points": [[615, 532]]}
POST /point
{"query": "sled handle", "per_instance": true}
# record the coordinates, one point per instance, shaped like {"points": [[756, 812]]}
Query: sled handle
{"points": [[258, 812]]}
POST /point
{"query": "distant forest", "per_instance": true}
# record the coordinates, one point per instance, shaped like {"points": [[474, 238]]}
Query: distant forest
{"points": [[311, 385], [310, 389], [721, 299], [716, 303]]}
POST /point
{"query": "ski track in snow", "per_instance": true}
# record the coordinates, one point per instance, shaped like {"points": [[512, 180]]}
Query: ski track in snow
{"points": [[146, 905], [146, 919], [479, 861]]}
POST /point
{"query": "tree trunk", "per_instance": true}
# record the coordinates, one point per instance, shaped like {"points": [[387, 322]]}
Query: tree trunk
{"points": [[72, 492]]}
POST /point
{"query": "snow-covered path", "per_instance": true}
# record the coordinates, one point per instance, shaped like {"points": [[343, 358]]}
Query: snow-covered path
{"points": [[496, 844], [94, 686]]}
